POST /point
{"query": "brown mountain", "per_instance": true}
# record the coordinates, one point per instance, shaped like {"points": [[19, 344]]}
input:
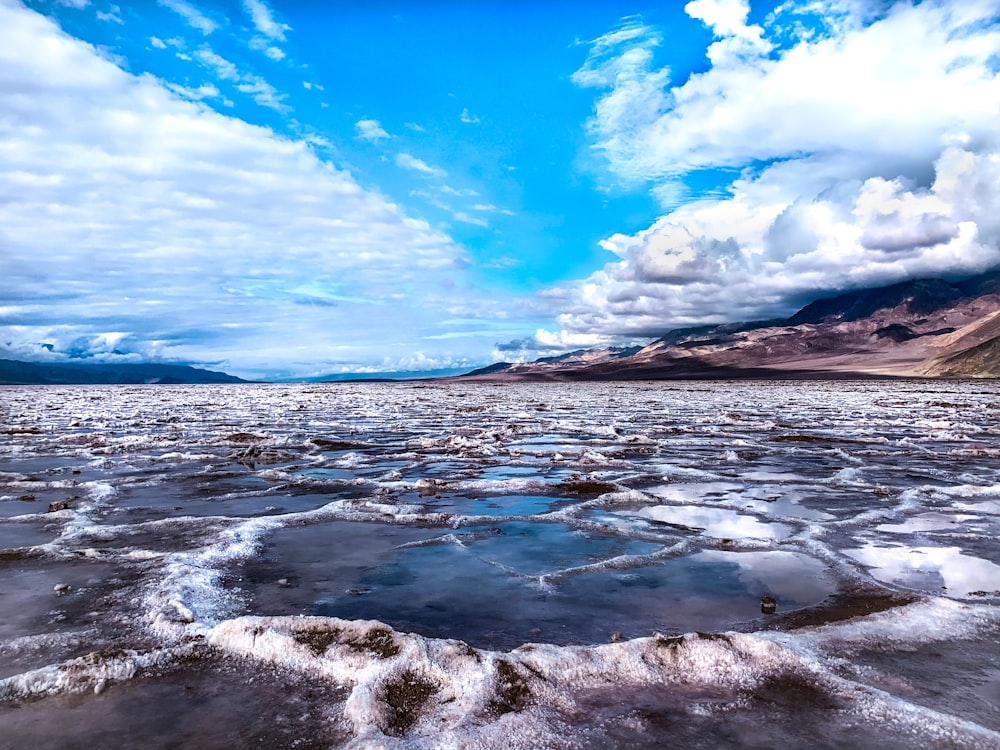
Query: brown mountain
{"points": [[928, 327]]}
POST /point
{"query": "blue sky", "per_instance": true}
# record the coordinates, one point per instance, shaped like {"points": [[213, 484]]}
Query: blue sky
{"points": [[289, 188]]}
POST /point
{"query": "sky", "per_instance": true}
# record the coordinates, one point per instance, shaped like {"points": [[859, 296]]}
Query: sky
{"points": [[287, 188]]}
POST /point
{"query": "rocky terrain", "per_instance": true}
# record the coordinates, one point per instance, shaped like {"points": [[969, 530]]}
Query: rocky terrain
{"points": [[923, 328]]}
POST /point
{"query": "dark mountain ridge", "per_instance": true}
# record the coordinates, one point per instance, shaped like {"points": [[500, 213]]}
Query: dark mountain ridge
{"points": [[14, 372]]}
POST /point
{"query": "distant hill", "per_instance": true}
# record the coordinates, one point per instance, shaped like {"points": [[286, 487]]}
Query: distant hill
{"points": [[979, 361], [13, 372], [921, 328]]}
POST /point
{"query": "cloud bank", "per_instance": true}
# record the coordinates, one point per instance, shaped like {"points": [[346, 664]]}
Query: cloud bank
{"points": [[139, 225], [862, 148]]}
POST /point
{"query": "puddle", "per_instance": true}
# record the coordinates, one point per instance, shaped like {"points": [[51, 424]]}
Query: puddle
{"points": [[28, 533], [933, 570], [500, 505], [212, 707], [719, 523]]}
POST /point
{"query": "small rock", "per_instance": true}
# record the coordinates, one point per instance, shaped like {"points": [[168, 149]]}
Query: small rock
{"points": [[881, 492], [61, 588], [615, 637], [57, 505], [283, 582], [768, 605], [100, 687], [27, 498]]}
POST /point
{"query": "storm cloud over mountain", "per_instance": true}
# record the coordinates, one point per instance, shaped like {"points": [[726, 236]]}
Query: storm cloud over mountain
{"points": [[862, 149]]}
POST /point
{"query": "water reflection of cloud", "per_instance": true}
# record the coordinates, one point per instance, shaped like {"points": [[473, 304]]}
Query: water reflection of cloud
{"points": [[789, 576], [991, 507], [716, 522], [926, 567], [925, 522]]}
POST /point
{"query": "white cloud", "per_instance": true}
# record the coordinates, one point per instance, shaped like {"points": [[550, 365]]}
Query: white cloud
{"points": [[370, 130], [157, 42], [194, 17], [727, 20], [867, 155], [407, 161], [461, 192], [263, 20], [78, 4], [468, 118], [545, 342], [111, 16], [224, 69], [893, 87], [155, 226], [724, 17], [415, 127], [465, 218], [205, 91], [264, 45], [247, 83], [262, 92]]}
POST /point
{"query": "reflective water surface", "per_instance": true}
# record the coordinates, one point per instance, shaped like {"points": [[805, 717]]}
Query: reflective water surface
{"points": [[442, 564]]}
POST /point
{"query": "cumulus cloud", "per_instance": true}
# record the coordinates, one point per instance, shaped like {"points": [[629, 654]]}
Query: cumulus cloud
{"points": [[866, 153], [468, 118], [545, 343], [370, 130], [141, 223], [192, 15], [728, 21], [893, 87], [408, 161]]}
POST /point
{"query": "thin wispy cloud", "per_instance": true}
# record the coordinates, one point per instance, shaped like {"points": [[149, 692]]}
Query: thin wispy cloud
{"points": [[263, 20], [408, 161], [253, 85], [466, 218], [111, 15], [260, 44], [461, 192], [191, 14]]}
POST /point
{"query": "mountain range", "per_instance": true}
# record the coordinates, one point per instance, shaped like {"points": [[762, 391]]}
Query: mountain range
{"points": [[921, 328], [14, 372]]}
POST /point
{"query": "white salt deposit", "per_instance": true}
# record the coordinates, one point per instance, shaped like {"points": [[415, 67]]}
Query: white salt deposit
{"points": [[547, 565]]}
